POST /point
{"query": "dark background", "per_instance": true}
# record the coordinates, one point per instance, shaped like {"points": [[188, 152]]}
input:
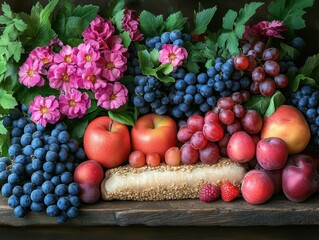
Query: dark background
{"points": [[311, 36]]}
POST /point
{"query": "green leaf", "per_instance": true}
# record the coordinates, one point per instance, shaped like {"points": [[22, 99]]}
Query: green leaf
{"points": [[202, 19], [7, 101], [19, 24], [144, 59], [74, 27], [150, 24], [276, 100], [66, 7], [79, 129], [285, 49], [114, 7], [117, 20], [149, 72], [192, 67], [247, 12], [126, 40], [175, 21], [7, 10], [165, 69], [163, 78], [310, 65], [300, 79], [290, 12], [229, 41], [124, 117], [154, 56], [86, 12], [229, 19], [265, 105], [46, 13], [239, 31], [4, 144], [3, 129]]}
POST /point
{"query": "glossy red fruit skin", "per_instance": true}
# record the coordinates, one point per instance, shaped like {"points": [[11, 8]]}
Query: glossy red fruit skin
{"points": [[209, 154], [257, 187], [299, 178], [241, 62], [189, 155], [195, 123], [107, 142], [252, 122], [241, 147], [184, 134], [213, 131]]}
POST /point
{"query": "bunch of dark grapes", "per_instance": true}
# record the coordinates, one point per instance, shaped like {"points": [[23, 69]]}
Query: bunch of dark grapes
{"points": [[175, 37], [306, 99], [149, 95], [38, 174], [263, 63], [287, 64]]}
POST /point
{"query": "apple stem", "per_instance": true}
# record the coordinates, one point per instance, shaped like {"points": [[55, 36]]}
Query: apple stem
{"points": [[110, 127]]}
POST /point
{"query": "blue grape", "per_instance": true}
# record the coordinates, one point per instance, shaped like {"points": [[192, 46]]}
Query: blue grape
{"points": [[188, 99], [219, 86], [29, 169], [55, 132], [47, 176], [3, 166], [149, 97], [165, 37], [62, 218], [40, 128], [19, 212], [138, 101], [298, 43], [50, 199], [17, 191], [73, 212], [61, 189], [56, 180], [161, 110], [74, 188], [52, 211], [5, 160], [66, 178], [4, 175], [26, 139], [69, 166], [63, 154], [176, 112], [184, 107], [28, 187], [13, 201], [15, 113], [13, 179], [36, 143], [61, 126], [180, 85], [191, 89], [16, 132], [73, 145], [6, 189], [49, 167], [206, 91], [211, 72], [190, 78], [14, 150], [30, 128], [158, 46], [21, 159], [25, 201], [37, 164], [63, 203], [47, 187], [180, 73], [174, 35], [156, 104], [28, 150], [37, 195], [59, 168], [178, 42], [7, 121], [54, 147], [18, 168], [37, 178], [75, 201], [37, 207], [52, 140], [40, 153], [204, 107], [212, 101], [51, 156], [63, 137]]}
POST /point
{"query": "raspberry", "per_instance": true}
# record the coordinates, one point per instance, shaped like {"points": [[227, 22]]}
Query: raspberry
{"points": [[209, 193], [229, 192]]}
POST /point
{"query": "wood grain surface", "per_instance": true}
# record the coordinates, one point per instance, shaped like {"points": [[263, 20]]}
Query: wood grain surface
{"points": [[277, 212]]}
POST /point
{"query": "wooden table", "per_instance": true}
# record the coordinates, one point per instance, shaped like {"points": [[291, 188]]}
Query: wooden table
{"points": [[185, 219]]}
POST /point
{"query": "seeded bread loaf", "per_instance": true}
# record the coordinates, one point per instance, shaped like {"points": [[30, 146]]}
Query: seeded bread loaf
{"points": [[167, 182]]}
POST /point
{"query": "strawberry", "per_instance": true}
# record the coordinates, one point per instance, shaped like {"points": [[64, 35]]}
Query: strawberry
{"points": [[229, 192]]}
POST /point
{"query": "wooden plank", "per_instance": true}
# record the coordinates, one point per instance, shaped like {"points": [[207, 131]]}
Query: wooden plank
{"points": [[278, 211]]}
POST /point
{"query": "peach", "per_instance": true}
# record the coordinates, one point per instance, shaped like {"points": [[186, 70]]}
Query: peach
{"points": [[289, 124], [241, 147]]}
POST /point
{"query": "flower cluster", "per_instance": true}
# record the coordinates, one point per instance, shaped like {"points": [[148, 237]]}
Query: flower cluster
{"points": [[264, 30], [96, 65]]}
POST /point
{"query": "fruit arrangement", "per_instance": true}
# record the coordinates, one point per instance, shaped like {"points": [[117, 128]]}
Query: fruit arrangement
{"points": [[115, 104]]}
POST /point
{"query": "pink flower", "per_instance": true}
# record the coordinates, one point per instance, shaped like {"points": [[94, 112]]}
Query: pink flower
{"points": [[91, 78], [264, 30], [74, 104], [130, 23], [114, 44], [44, 110], [112, 96], [43, 54], [87, 55], [100, 29], [172, 54], [63, 77], [66, 55], [29, 73], [113, 65]]}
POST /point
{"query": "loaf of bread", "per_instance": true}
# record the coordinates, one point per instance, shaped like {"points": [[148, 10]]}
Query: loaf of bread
{"points": [[167, 182]]}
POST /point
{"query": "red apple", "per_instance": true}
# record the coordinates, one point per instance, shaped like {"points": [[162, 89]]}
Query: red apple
{"points": [[154, 133], [299, 178], [272, 153], [241, 147], [107, 142], [89, 175], [257, 187]]}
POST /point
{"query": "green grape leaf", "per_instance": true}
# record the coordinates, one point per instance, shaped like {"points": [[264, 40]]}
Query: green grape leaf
{"points": [[114, 7], [229, 19], [124, 117], [164, 78], [117, 20], [154, 57], [285, 49], [79, 129], [247, 12], [300, 79], [7, 101], [290, 12], [150, 24], [126, 40], [86, 12], [164, 69], [202, 19], [276, 100], [74, 27], [3, 129], [46, 13], [310, 65], [4, 143], [144, 59], [175, 21]]}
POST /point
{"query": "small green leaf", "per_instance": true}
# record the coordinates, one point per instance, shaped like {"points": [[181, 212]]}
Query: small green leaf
{"points": [[19, 25], [114, 7], [74, 27], [175, 21], [86, 12], [209, 63], [3, 129], [239, 31], [123, 117], [7, 101], [247, 12], [7, 10], [310, 65], [276, 100], [45, 14], [117, 20], [192, 67], [144, 59], [229, 19], [285, 49], [79, 129], [150, 24], [154, 56], [166, 79], [301, 79], [165, 69], [202, 19], [126, 40], [149, 72]]}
